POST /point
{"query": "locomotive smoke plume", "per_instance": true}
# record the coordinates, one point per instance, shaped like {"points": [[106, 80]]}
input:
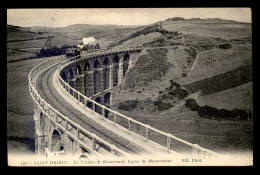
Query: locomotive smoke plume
{"points": [[88, 40]]}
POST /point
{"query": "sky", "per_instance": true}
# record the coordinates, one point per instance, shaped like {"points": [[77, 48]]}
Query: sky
{"points": [[117, 16]]}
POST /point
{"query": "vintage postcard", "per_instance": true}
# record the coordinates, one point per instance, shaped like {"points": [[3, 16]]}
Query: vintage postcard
{"points": [[129, 87]]}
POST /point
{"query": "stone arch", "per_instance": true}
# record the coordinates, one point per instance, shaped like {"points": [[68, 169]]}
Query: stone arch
{"points": [[98, 109], [87, 79], [90, 105], [79, 79], [87, 67], [96, 82], [71, 76], [78, 70], [42, 122], [106, 62], [116, 59], [71, 73], [106, 78], [115, 74], [83, 156], [107, 98], [56, 141], [96, 64], [64, 76], [126, 63]]}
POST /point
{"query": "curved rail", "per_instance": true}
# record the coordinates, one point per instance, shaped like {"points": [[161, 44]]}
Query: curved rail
{"points": [[194, 149], [55, 116]]}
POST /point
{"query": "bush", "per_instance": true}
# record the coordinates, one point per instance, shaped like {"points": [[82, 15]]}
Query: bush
{"points": [[169, 37], [162, 106], [160, 40], [240, 114], [53, 51], [184, 74], [192, 104], [180, 93], [211, 112], [97, 46], [128, 105], [174, 84], [163, 31], [225, 46], [208, 112]]}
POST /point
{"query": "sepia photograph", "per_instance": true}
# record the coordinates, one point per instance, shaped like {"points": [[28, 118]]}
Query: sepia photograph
{"points": [[129, 87]]}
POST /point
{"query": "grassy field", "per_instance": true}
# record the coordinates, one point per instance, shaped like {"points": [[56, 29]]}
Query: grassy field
{"points": [[29, 38], [218, 61], [221, 136], [140, 40], [16, 55], [20, 123], [240, 97], [210, 27], [222, 82]]}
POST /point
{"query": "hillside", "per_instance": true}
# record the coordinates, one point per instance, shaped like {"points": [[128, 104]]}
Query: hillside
{"points": [[238, 97], [218, 61], [225, 29], [34, 38], [214, 67], [196, 31], [16, 34], [105, 33], [216, 57]]}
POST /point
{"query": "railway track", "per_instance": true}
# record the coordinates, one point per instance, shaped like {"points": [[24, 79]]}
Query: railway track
{"points": [[46, 89]]}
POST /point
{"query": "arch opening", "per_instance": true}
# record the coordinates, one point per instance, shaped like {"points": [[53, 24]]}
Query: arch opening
{"points": [[71, 74], [106, 78], [56, 145], [126, 63], [90, 105], [71, 77], [96, 64], [115, 74], [42, 122], [98, 109], [64, 76], [87, 67], [79, 70], [83, 157], [106, 62], [107, 97], [96, 82], [116, 59]]}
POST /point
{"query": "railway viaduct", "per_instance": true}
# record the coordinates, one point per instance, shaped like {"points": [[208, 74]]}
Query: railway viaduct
{"points": [[76, 119], [97, 75]]}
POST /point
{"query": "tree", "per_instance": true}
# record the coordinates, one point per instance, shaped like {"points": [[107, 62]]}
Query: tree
{"points": [[86, 47], [42, 52], [97, 46]]}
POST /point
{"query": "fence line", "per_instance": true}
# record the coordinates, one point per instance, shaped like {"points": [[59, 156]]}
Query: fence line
{"points": [[195, 149]]}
